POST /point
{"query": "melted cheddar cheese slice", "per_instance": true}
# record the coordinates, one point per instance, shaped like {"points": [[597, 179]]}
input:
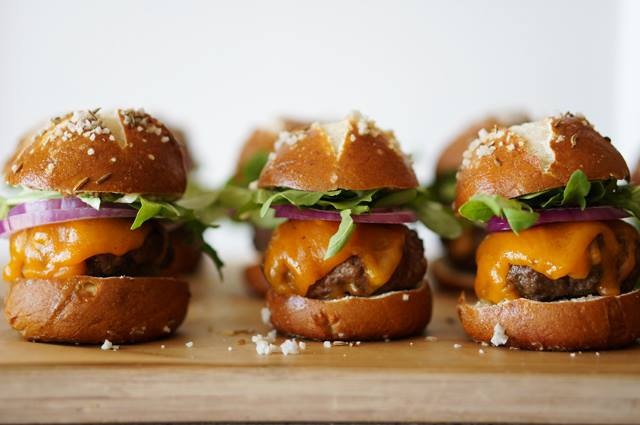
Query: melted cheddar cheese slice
{"points": [[295, 260], [556, 251], [60, 250]]}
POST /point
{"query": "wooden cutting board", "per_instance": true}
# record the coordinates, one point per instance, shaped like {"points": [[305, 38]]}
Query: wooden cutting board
{"points": [[221, 378]]}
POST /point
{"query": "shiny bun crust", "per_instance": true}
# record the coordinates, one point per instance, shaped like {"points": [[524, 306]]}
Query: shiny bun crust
{"points": [[536, 156], [264, 139], [594, 323], [122, 151], [351, 154], [451, 157], [448, 276], [391, 315], [89, 310]]}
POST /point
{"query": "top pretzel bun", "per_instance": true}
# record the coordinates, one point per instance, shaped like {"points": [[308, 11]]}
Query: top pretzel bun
{"points": [[536, 156], [451, 157], [352, 154], [121, 151]]}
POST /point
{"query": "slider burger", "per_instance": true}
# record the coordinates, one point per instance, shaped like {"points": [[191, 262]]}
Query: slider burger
{"points": [[456, 270], [344, 266], [253, 157], [92, 248], [558, 269]]}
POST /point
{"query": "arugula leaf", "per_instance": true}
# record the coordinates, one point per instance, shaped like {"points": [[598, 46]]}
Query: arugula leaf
{"points": [[576, 190], [438, 218], [93, 201], [397, 199], [294, 197], [147, 211], [481, 207], [341, 237]]}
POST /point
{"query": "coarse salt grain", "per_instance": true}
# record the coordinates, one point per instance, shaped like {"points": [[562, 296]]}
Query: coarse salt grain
{"points": [[91, 151], [265, 316], [106, 345], [326, 344], [456, 346], [405, 297], [189, 344]]}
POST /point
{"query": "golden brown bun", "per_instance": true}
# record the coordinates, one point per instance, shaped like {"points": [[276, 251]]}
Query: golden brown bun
{"points": [[257, 284], [123, 151], [536, 156], [451, 157], [594, 323], [447, 276], [89, 310], [263, 140], [391, 315], [636, 176], [350, 154]]}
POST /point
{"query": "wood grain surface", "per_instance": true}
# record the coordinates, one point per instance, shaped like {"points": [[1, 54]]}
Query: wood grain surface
{"points": [[221, 378]]}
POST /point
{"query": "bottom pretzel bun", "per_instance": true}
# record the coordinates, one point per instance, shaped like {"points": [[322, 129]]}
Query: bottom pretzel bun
{"points": [[390, 315], [449, 277], [590, 323], [255, 281], [90, 310]]}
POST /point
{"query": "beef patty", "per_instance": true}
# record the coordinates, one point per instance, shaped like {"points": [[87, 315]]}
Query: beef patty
{"points": [[349, 278], [151, 259], [536, 286]]}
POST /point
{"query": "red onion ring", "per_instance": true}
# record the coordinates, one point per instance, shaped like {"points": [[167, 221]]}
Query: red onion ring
{"points": [[376, 216], [562, 215], [25, 216]]}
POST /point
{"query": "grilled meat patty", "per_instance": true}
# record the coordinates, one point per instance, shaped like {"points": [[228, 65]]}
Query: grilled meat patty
{"points": [[536, 286], [349, 278]]}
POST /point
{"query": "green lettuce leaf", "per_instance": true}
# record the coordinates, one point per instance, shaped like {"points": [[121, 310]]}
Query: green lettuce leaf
{"points": [[480, 208], [579, 192], [341, 237]]}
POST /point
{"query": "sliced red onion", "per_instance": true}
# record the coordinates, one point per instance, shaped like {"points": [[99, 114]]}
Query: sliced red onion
{"points": [[25, 216], [562, 215], [376, 216]]}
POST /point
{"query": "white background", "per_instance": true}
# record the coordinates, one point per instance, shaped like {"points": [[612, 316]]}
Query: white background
{"points": [[422, 68]]}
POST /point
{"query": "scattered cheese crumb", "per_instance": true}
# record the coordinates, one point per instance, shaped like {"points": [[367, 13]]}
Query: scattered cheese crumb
{"points": [[189, 344], [499, 336], [265, 315], [264, 344], [456, 346], [162, 347], [289, 346], [597, 354], [481, 351], [107, 345], [572, 354], [302, 345], [229, 348], [431, 339], [326, 344], [405, 297]]}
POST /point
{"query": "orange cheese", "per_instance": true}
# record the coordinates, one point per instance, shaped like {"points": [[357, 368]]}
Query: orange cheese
{"points": [[59, 250], [556, 251], [295, 258]]}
